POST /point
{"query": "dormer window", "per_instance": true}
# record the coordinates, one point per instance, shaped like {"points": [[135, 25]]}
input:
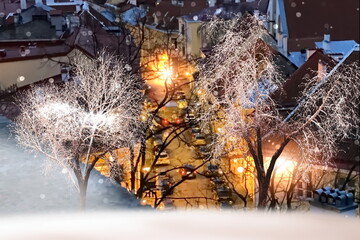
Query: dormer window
{"points": [[177, 2]]}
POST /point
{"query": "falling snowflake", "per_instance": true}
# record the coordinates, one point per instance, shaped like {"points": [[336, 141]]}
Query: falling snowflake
{"points": [[128, 67], [298, 14], [21, 79]]}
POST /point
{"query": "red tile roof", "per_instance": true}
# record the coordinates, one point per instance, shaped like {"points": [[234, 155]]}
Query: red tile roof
{"points": [[7, 8], [166, 10], [88, 38], [35, 49], [293, 86], [307, 21]]}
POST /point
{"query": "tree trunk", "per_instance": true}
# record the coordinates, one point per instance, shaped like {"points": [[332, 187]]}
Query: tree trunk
{"points": [[263, 191], [348, 177], [133, 169], [289, 196], [272, 189], [82, 183], [141, 189], [82, 190], [264, 179]]}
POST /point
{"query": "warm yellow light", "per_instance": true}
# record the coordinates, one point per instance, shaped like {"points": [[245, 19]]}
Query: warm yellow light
{"points": [[240, 169], [169, 81], [284, 166], [182, 104], [146, 169], [159, 69], [167, 73], [144, 118], [199, 92]]}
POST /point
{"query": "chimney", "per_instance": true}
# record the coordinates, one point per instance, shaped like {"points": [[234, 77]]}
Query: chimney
{"points": [[309, 52], [303, 54], [256, 13], [321, 70], [212, 3], [23, 4], [326, 43]]}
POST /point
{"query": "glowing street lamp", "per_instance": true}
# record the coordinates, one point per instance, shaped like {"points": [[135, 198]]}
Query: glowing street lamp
{"points": [[220, 130], [167, 73], [284, 166], [144, 117], [240, 169]]}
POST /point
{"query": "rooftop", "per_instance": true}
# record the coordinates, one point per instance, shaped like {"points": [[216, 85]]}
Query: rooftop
{"points": [[308, 21], [336, 47], [294, 85], [37, 29]]}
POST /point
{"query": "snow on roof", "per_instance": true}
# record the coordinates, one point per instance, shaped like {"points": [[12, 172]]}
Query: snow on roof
{"points": [[44, 7], [337, 47], [133, 15], [171, 104], [297, 58]]}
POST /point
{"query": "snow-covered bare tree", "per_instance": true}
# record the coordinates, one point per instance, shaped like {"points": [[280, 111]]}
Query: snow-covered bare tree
{"points": [[77, 123], [235, 89]]}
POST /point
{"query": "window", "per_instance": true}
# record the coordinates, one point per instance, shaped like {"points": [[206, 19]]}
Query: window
{"points": [[177, 2], [303, 190], [65, 73], [174, 42]]}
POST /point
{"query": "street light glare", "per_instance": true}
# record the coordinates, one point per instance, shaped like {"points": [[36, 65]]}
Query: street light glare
{"points": [[240, 169], [167, 73]]}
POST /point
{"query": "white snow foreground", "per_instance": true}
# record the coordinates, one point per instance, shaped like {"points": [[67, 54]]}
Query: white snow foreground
{"points": [[178, 226], [24, 188]]}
